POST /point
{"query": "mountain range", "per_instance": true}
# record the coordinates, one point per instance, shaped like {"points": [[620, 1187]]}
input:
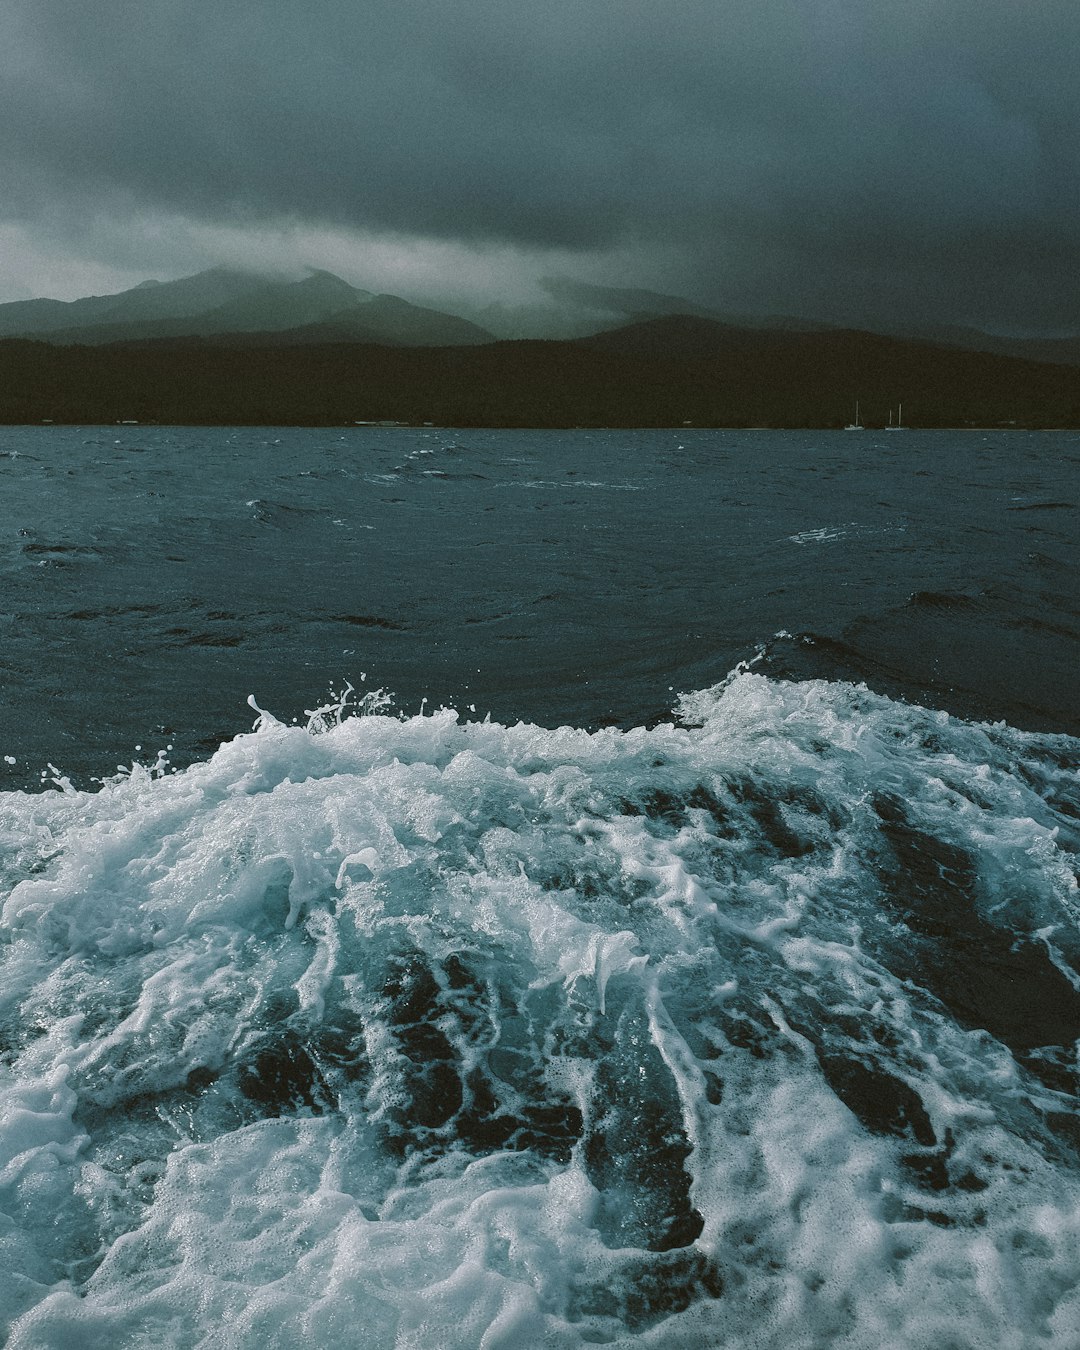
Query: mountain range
{"points": [[233, 305], [666, 371], [228, 347], [318, 308]]}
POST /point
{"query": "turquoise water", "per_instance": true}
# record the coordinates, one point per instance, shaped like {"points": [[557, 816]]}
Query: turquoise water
{"points": [[636, 996], [152, 578]]}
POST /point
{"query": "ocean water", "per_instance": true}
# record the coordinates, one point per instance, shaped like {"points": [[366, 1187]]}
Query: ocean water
{"points": [[638, 905]]}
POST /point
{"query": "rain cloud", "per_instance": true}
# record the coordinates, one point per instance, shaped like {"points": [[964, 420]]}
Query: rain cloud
{"points": [[841, 159]]}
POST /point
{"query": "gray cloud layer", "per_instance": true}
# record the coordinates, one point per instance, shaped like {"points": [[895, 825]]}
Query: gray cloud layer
{"points": [[843, 157]]}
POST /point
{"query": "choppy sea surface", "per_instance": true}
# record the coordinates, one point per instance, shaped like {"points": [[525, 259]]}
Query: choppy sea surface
{"points": [[638, 907]]}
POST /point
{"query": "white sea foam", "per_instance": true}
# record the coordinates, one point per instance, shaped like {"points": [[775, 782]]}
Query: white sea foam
{"points": [[422, 1032]]}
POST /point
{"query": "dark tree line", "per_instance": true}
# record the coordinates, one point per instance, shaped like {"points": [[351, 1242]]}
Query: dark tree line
{"points": [[663, 373]]}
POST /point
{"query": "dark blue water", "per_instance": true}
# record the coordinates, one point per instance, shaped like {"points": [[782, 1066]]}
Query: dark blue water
{"points": [[152, 578], [636, 997]]}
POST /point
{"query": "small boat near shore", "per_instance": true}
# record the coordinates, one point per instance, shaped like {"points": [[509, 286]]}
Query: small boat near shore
{"points": [[898, 425], [857, 424]]}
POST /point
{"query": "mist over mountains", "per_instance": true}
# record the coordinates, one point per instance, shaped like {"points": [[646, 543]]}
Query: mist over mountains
{"points": [[318, 307], [232, 347], [230, 304], [321, 307]]}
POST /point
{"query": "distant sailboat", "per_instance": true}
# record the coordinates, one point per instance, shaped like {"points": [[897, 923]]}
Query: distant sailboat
{"points": [[856, 425], [898, 425]]}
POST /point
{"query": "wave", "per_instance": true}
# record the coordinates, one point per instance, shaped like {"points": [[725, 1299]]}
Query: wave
{"points": [[370, 621], [283, 515], [756, 1028]]}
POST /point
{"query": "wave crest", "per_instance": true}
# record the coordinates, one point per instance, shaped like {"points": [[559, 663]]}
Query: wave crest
{"points": [[741, 1030]]}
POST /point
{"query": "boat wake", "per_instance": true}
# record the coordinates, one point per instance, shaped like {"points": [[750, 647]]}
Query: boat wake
{"points": [[753, 1029]]}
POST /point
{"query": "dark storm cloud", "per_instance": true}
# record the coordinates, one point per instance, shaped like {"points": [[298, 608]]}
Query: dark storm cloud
{"points": [[833, 154]]}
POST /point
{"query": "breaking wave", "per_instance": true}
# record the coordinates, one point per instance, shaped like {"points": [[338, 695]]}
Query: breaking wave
{"points": [[754, 1029]]}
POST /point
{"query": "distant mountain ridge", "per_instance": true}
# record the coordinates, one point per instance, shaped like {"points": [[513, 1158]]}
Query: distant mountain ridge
{"points": [[633, 304], [218, 302], [234, 307], [576, 309], [672, 371], [1058, 351], [387, 320]]}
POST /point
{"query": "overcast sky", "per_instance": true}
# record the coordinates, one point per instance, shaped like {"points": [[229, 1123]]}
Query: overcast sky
{"points": [[844, 159]]}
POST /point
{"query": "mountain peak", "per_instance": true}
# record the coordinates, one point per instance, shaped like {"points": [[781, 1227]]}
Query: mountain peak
{"points": [[225, 301], [320, 282]]}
